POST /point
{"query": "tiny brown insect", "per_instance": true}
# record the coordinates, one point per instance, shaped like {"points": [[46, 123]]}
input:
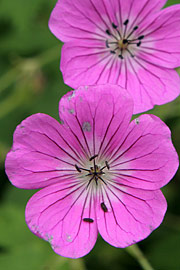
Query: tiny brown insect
{"points": [[103, 206], [90, 220]]}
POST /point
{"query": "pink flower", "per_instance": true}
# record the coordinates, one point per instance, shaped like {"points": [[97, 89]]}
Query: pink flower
{"points": [[130, 43], [98, 172]]}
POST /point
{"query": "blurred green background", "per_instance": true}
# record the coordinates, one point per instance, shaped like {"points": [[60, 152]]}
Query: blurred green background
{"points": [[30, 82]]}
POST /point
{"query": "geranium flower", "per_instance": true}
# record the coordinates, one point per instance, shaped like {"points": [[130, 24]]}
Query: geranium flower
{"points": [[98, 172], [125, 42]]}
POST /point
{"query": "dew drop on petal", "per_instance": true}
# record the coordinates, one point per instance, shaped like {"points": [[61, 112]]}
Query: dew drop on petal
{"points": [[68, 238], [49, 238], [71, 96], [137, 121], [71, 111]]}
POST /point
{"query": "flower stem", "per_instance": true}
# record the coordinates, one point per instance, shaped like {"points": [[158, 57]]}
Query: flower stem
{"points": [[135, 252]]}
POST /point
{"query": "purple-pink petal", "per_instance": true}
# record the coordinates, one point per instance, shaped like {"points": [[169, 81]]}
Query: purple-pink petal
{"points": [[87, 19], [132, 214], [162, 38], [146, 157], [151, 85], [147, 83], [95, 113], [56, 214], [42, 154]]}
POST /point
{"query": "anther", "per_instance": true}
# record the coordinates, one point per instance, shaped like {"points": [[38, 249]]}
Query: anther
{"points": [[107, 44], [114, 26], [130, 53], [108, 32], [139, 43], [126, 22], [93, 157], [125, 41], [120, 56], [141, 37], [135, 28], [107, 165], [113, 52], [103, 206], [90, 220], [77, 168]]}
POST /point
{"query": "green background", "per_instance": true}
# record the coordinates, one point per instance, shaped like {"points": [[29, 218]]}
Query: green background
{"points": [[30, 82]]}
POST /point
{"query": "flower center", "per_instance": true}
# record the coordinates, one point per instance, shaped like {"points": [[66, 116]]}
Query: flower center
{"points": [[121, 42], [95, 172]]}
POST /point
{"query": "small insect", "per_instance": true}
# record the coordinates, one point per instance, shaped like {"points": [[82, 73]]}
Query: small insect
{"points": [[103, 206], [77, 168], [90, 220]]}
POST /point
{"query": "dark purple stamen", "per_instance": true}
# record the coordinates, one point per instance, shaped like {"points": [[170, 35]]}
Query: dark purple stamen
{"points": [[107, 44], [132, 55], [134, 29], [125, 41], [114, 26], [103, 206], [122, 41], [101, 179], [126, 22], [121, 57], [95, 172], [77, 168], [93, 157], [107, 165], [90, 220], [108, 32], [141, 37]]}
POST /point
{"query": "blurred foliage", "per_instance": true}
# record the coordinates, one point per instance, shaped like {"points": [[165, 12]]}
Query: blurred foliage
{"points": [[30, 82]]}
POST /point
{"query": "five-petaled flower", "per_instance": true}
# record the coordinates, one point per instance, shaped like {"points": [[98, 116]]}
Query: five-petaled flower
{"points": [[131, 43], [98, 171]]}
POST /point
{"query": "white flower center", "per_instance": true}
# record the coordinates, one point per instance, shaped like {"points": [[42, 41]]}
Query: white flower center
{"points": [[123, 42], [93, 173]]}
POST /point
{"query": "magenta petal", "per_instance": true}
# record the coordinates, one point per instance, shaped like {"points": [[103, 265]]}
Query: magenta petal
{"points": [[150, 85], [87, 19], [85, 65], [56, 214], [41, 154], [78, 19], [162, 38], [132, 214], [98, 112], [138, 11], [146, 157]]}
